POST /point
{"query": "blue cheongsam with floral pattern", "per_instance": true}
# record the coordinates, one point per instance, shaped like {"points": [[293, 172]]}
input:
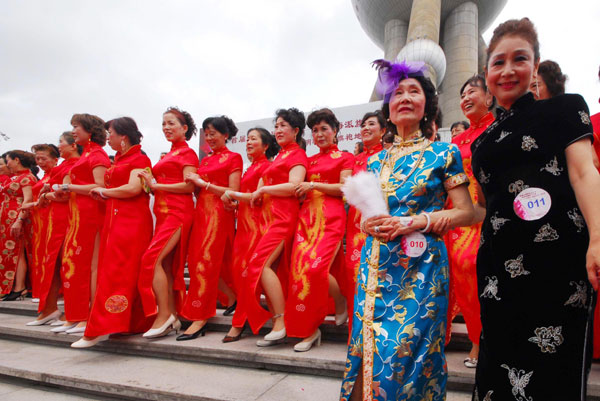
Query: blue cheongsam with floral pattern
{"points": [[399, 323]]}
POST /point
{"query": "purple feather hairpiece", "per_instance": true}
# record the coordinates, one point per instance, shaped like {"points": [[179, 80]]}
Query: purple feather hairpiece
{"points": [[390, 75]]}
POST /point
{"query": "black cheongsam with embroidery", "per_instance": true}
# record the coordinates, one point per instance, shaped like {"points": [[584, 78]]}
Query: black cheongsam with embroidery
{"points": [[536, 301]]}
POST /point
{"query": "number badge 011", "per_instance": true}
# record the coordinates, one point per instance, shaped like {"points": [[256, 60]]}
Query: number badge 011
{"points": [[532, 204]]}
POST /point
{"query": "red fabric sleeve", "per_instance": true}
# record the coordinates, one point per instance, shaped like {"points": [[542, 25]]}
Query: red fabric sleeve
{"points": [[189, 158], [99, 158], [297, 158], [235, 163], [348, 161]]}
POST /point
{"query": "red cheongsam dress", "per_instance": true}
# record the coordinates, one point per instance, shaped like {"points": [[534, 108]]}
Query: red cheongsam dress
{"points": [[56, 231], [10, 247], [355, 238], [317, 248], [85, 223], [173, 212], [39, 226], [281, 217], [126, 234], [212, 236], [462, 244], [250, 226]]}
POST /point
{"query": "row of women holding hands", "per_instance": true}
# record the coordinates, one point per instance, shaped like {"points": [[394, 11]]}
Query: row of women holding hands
{"points": [[293, 253]]}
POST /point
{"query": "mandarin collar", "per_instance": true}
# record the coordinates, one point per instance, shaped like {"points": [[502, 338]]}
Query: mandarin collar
{"points": [[330, 149], [179, 145], [133, 149], [221, 150], [290, 146], [521, 103], [260, 158], [483, 121], [90, 145], [377, 148]]}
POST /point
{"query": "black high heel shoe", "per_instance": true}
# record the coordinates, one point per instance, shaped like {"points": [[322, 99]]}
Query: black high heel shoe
{"points": [[185, 337], [231, 339], [15, 295], [230, 309]]}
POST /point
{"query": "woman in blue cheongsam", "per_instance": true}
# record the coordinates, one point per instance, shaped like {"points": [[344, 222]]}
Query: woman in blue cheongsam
{"points": [[396, 350]]}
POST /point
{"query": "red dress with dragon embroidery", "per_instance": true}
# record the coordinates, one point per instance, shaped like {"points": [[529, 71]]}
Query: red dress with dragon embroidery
{"points": [[317, 250], [117, 306], [250, 228], [39, 226], [58, 216], [173, 212], [85, 223], [281, 218], [462, 244], [212, 235], [10, 247]]}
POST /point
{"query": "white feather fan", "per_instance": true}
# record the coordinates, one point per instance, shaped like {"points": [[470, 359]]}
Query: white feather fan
{"points": [[363, 191]]}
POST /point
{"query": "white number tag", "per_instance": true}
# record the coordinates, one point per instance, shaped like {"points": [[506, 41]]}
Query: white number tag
{"points": [[414, 245], [532, 204]]}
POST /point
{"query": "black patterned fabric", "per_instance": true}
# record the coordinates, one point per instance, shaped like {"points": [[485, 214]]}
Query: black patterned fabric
{"points": [[536, 301]]}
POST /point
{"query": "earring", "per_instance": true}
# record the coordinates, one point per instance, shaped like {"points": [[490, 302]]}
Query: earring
{"points": [[425, 118], [123, 144], [537, 88]]}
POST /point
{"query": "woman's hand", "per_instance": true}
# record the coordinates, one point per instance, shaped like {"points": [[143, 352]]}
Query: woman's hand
{"points": [[147, 177], [302, 189], [441, 227], [593, 263], [17, 228], [46, 188], [97, 193], [195, 179], [256, 198], [229, 204], [395, 226], [27, 206], [374, 226]]}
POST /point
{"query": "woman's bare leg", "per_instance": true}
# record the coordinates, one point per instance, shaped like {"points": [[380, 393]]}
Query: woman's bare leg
{"points": [[19, 283], [225, 289], [162, 283], [357, 393], [273, 289]]}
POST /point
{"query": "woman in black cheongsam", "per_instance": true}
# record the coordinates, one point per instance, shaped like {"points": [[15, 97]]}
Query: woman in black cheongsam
{"points": [[540, 188]]}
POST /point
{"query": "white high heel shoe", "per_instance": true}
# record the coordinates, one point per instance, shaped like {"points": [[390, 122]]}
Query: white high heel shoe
{"points": [[50, 318], [63, 328], [342, 317], [82, 343], [171, 324], [304, 346], [76, 330]]}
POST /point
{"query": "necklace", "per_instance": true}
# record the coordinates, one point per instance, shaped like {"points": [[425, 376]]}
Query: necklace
{"points": [[401, 149]]}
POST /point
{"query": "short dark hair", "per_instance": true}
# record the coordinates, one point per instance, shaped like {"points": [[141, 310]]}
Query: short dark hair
{"points": [[126, 126], [27, 160], [223, 124], [323, 115], [377, 114], [184, 118], [46, 147], [267, 139], [361, 146], [68, 137], [93, 125], [465, 124], [295, 118], [431, 108], [478, 81], [522, 28], [553, 77]]}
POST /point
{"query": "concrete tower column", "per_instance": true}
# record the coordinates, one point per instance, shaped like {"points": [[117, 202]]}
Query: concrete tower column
{"points": [[461, 45], [482, 54], [394, 38], [424, 21]]}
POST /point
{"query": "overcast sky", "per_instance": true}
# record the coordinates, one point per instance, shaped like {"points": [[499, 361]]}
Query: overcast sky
{"points": [[236, 57]]}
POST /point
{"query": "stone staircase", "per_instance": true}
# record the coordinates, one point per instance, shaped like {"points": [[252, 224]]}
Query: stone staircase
{"points": [[130, 367]]}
